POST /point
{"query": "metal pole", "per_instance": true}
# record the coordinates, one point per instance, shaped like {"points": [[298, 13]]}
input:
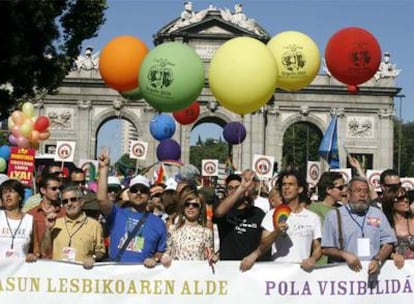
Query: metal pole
{"points": [[399, 134]]}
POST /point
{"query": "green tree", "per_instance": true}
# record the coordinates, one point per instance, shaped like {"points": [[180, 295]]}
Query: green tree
{"points": [[210, 149], [407, 147], [301, 144], [40, 41]]}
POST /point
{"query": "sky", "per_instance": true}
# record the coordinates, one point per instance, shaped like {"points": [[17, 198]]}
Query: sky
{"points": [[390, 21]]}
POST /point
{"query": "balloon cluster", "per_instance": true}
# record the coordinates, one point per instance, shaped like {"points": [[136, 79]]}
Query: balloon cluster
{"points": [[27, 130], [4, 157]]}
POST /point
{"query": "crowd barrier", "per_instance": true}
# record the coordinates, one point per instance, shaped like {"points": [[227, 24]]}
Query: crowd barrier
{"points": [[196, 282]]}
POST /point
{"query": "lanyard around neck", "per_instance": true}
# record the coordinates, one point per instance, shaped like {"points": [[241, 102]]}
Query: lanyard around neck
{"points": [[74, 232], [13, 234], [356, 222]]}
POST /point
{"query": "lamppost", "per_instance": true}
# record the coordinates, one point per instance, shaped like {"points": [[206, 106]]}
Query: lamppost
{"points": [[399, 133]]}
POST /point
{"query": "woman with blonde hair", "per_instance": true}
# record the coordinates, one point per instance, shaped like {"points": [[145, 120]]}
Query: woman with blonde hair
{"points": [[190, 239]]}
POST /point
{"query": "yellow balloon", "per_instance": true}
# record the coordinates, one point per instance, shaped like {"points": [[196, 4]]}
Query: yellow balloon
{"points": [[297, 57], [242, 75], [28, 109]]}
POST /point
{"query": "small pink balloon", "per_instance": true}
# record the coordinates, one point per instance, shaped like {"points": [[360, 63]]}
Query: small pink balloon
{"points": [[16, 131], [22, 142]]}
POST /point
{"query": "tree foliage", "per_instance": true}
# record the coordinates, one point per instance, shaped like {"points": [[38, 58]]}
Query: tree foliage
{"points": [[40, 41], [407, 147], [210, 149]]}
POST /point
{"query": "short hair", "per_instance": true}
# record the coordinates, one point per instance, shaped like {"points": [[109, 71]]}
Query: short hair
{"points": [[233, 177], [47, 178], [72, 188], [357, 179], [16, 185], [386, 173], [326, 182], [76, 170]]}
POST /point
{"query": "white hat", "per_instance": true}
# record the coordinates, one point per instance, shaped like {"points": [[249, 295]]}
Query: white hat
{"points": [[113, 180], [171, 184], [139, 179], [3, 178]]}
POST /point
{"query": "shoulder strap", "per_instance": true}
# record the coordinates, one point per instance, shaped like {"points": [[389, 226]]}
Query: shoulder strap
{"points": [[341, 237], [131, 235]]}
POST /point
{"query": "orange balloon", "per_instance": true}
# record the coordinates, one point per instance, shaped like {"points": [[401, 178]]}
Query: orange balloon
{"points": [[44, 135], [120, 61]]}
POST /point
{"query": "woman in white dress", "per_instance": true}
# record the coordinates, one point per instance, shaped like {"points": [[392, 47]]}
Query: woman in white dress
{"points": [[16, 227], [189, 239]]}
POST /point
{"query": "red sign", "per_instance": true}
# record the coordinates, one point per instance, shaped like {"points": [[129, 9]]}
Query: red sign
{"points": [[21, 165]]}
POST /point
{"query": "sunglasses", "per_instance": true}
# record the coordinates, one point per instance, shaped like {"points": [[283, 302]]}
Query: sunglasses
{"points": [[401, 198], [72, 200], [54, 188], [392, 185], [80, 182], [56, 172], [191, 204], [114, 189], [340, 187], [139, 189]]}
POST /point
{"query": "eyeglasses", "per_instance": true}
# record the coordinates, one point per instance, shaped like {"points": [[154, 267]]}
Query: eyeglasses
{"points": [[401, 198], [55, 188], [56, 172], [339, 187], [191, 204], [392, 185], [231, 188], [72, 200]]}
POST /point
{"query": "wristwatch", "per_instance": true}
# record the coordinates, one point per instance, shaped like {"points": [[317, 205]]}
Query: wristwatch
{"points": [[94, 257], [378, 260]]}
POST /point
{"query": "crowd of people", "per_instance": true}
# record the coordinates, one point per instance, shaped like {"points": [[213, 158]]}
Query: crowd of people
{"points": [[158, 224]]}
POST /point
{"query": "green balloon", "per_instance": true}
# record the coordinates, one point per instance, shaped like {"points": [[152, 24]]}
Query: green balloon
{"points": [[171, 77], [3, 164], [134, 94]]}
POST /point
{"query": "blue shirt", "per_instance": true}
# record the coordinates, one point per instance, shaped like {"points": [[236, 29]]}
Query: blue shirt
{"points": [[372, 225], [150, 238]]}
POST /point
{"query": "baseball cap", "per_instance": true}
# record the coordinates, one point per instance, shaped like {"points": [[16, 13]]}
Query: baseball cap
{"points": [[140, 179]]}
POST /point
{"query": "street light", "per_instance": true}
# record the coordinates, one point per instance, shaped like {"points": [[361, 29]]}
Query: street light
{"points": [[399, 133]]}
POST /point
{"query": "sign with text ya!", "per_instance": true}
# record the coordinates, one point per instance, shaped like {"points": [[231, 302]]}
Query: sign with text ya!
{"points": [[21, 165], [188, 282]]}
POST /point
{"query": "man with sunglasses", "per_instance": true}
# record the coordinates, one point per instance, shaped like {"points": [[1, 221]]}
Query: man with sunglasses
{"points": [[75, 237], [389, 178], [136, 235], [50, 194]]}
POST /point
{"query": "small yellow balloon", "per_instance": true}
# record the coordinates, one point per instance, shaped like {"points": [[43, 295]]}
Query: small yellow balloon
{"points": [[297, 57], [242, 75], [28, 109]]}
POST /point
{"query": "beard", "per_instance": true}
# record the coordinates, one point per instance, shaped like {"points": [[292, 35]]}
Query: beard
{"points": [[359, 207]]}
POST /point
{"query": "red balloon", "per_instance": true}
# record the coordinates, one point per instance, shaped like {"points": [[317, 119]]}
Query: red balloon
{"points": [[353, 89], [41, 123], [188, 115], [353, 55]]}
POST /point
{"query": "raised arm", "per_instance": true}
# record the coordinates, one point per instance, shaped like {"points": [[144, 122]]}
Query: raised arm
{"points": [[105, 204]]}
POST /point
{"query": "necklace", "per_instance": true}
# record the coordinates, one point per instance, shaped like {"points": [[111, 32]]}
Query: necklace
{"points": [[13, 234]]}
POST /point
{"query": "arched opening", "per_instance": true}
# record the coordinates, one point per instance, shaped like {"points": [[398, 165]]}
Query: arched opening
{"points": [[301, 144], [206, 141], [115, 135]]}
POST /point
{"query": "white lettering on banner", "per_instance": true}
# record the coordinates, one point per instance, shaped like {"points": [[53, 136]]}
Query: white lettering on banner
{"points": [[189, 282]]}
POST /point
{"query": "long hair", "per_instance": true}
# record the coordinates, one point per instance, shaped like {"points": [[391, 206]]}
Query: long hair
{"points": [[387, 201], [187, 195]]}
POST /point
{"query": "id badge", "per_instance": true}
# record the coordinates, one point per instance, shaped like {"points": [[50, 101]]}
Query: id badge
{"points": [[68, 254], [11, 254], [139, 243], [363, 247]]}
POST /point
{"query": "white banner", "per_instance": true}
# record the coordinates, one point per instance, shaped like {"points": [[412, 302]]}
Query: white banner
{"points": [[194, 282]]}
